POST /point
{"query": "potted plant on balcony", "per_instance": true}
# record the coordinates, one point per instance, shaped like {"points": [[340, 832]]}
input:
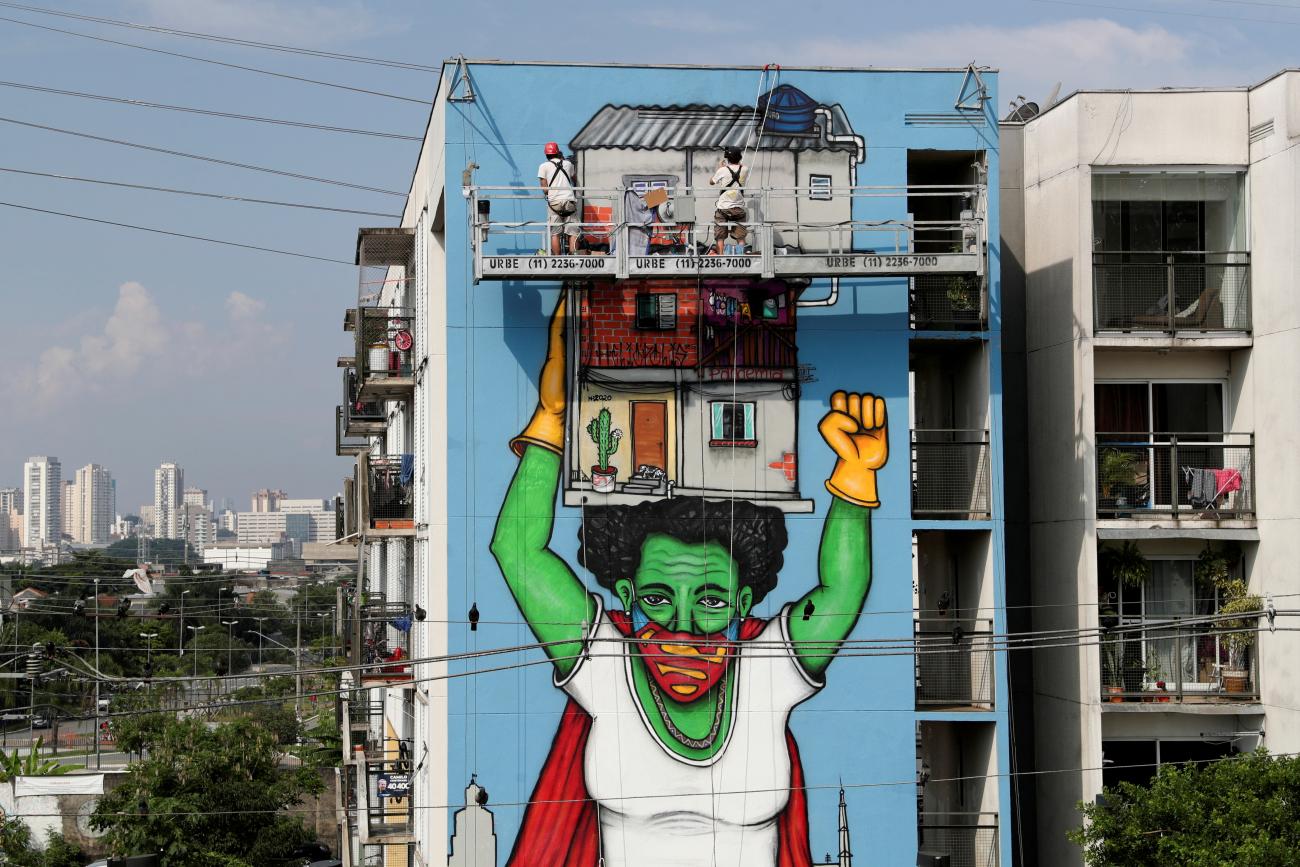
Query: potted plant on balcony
{"points": [[1239, 633], [1117, 474], [606, 440], [1111, 654], [1125, 563]]}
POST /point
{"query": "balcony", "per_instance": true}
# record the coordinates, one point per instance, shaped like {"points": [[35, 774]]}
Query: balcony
{"points": [[1171, 293], [792, 232], [954, 664], [383, 642], [947, 302], [361, 417], [389, 811], [389, 490], [950, 474], [965, 839], [1182, 664], [385, 353], [346, 445], [1186, 476]]}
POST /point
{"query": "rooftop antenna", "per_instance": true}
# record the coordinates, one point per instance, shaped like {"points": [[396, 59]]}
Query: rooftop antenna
{"points": [[973, 93], [462, 81]]}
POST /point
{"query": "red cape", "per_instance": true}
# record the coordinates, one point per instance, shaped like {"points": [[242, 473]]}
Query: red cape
{"points": [[560, 828]]}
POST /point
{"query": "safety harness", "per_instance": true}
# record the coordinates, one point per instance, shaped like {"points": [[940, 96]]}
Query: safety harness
{"points": [[571, 205]]}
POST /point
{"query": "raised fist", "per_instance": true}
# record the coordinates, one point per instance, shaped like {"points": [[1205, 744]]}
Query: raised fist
{"points": [[857, 432]]}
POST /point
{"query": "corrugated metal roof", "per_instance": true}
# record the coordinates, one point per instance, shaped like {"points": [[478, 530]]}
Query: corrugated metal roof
{"points": [[675, 127]]}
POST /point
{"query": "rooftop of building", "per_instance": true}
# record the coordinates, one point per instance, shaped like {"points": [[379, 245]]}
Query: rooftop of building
{"points": [[604, 64]]}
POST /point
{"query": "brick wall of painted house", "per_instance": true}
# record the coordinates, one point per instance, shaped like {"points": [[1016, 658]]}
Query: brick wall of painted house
{"points": [[610, 337]]}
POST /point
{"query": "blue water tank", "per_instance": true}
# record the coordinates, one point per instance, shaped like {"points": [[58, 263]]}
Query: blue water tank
{"points": [[787, 110]]}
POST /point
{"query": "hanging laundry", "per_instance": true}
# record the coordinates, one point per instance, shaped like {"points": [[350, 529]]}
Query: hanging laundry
{"points": [[1201, 486], [408, 469], [1226, 481], [402, 623]]}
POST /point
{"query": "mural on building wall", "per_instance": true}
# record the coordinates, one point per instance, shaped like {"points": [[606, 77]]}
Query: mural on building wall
{"points": [[682, 691]]}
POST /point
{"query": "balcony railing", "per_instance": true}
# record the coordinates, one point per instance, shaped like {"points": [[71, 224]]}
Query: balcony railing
{"points": [[389, 790], [383, 646], [968, 839], [390, 494], [950, 474], [947, 302], [1185, 663], [1203, 476], [361, 417], [1171, 292], [954, 663], [346, 444], [385, 352], [791, 232]]}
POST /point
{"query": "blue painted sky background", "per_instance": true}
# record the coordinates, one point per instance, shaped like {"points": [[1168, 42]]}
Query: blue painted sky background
{"points": [[128, 349]]}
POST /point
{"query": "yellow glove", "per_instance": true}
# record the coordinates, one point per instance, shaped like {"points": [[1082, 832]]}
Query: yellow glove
{"points": [[547, 426], [855, 429]]}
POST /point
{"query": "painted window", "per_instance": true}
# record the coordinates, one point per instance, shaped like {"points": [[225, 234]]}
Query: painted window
{"points": [[819, 188], [733, 423], [656, 311]]}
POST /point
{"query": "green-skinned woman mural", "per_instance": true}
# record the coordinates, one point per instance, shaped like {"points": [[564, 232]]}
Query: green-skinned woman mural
{"points": [[674, 748]]}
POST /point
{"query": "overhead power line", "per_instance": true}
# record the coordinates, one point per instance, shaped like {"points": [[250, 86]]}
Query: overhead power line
{"points": [[252, 118], [189, 156], [222, 196], [231, 40], [174, 234], [197, 59]]}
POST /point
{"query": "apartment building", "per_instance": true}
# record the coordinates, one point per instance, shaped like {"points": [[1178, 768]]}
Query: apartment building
{"points": [[1157, 234], [43, 507], [672, 379], [168, 498], [94, 506]]}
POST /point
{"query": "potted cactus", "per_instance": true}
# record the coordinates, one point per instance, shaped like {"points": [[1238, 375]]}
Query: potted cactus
{"points": [[606, 440]]}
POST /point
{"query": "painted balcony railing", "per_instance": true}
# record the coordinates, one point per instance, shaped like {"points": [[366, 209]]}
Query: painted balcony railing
{"points": [[1203, 476], [948, 302], [385, 353], [954, 663], [382, 648], [1171, 292], [389, 508], [1206, 663], [950, 474], [389, 811], [787, 232], [967, 839]]}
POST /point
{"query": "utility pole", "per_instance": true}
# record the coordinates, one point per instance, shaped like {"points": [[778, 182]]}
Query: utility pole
{"points": [[180, 633], [98, 678], [297, 658], [230, 644], [261, 621]]}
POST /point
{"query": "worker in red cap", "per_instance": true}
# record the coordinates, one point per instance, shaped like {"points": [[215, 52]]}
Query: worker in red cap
{"points": [[556, 176]]}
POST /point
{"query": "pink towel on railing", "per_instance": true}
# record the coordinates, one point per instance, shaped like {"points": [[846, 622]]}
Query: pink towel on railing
{"points": [[1226, 481]]}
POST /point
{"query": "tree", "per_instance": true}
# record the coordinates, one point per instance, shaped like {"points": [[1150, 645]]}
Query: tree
{"points": [[1241, 812], [17, 849], [33, 764], [208, 796]]}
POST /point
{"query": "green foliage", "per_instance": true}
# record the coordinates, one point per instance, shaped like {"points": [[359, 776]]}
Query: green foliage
{"points": [[160, 551], [1239, 634], [17, 849], [33, 764], [1243, 812], [606, 440], [1215, 564], [208, 797], [1118, 468], [323, 744], [1124, 563]]}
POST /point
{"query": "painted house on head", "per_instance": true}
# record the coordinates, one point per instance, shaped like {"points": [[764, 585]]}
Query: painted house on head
{"points": [[701, 378], [795, 146]]}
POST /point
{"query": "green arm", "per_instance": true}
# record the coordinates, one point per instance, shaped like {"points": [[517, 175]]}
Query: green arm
{"points": [[551, 598], [844, 577]]}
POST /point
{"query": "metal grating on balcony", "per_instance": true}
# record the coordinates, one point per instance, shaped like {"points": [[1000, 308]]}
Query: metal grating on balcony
{"points": [[1205, 664], [346, 444], [385, 353], [1199, 476], [954, 664], [950, 474], [947, 302], [1171, 292], [968, 839], [390, 494]]}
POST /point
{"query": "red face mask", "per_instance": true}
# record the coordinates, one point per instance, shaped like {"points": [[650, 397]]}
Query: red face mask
{"points": [[685, 666]]}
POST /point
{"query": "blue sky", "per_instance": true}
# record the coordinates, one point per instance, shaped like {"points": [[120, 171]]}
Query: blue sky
{"points": [[127, 349]]}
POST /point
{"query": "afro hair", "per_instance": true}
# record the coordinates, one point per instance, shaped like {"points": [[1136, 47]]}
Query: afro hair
{"points": [[611, 537]]}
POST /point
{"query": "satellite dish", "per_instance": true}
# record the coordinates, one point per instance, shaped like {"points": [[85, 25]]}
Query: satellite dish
{"points": [[1021, 113], [1051, 97]]}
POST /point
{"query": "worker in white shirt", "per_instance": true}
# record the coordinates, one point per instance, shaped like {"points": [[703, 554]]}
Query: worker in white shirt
{"points": [[556, 178], [729, 213]]}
